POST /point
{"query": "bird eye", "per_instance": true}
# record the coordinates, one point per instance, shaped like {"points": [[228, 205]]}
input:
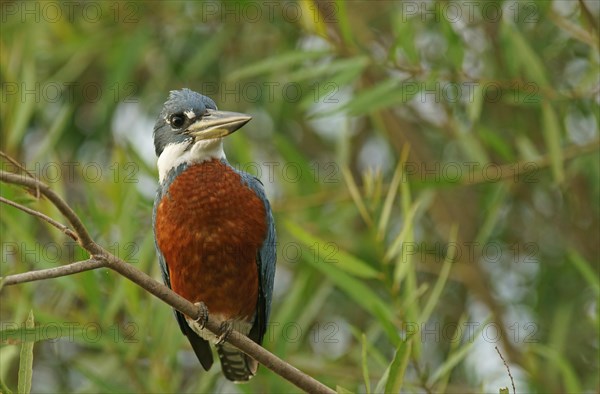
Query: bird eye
{"points": [[177, 120]]}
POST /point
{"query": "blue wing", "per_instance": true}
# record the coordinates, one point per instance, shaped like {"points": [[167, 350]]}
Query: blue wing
{"points": [[266, 259], [200, 346]]}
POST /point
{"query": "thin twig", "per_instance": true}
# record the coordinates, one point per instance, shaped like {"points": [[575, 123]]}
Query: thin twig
{"points": [[508, 369], [63, 270], [40, 215], [84, 238], [102, 258], [20, 167]]}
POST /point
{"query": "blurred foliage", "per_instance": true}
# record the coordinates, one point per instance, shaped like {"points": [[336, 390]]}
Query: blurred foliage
{"points": [[433, 168]]}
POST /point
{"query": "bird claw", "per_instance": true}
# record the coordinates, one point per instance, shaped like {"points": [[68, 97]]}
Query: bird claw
{"points": [[202, 314], [225, 329]]}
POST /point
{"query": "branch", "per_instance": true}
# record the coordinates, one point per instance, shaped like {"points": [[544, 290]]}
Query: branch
{"points": [[69, 269], [102, 258], [40, 215], [84, 240], [20, 168]]}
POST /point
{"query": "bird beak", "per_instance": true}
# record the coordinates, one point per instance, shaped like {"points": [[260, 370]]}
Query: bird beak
{"points": [[217, 124]]}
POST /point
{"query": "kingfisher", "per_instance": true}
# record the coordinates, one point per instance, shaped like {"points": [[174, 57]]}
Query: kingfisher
{"points": [[214, 230]]}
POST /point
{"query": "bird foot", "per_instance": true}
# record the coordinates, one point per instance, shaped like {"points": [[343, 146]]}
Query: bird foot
{"points": [[202, 314], [225, 330]]}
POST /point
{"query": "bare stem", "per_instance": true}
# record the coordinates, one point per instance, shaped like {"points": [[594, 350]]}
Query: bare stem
{"points": [[63, 270], [512, 381], [84, 240], [102, 258], [40, 215]]}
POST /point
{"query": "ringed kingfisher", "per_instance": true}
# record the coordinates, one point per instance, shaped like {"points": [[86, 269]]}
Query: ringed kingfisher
{"points": [[213, 229]]}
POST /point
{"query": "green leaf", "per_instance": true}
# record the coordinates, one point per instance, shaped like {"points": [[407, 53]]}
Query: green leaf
{"points": [[3, 388], [336, 67], [561, 363], [356, 195], [341, 259], [340, 390], [58, 127], [26, 361], [496, 142], [294, 157], [24, 109], [444, 273], [384, 218], [586, 270], [522, 53], [386, 94], [475, 103], [365, 367], [206, 53], [405, 39], [552, 136], [456, 357], [387, 324], [356, 289], [454, 346], [98, 377], [273, 63], [344, 23], [406, 230], [397, 367]]}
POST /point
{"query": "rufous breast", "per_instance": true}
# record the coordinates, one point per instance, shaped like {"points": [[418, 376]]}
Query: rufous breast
{"points": [[209, 227]]}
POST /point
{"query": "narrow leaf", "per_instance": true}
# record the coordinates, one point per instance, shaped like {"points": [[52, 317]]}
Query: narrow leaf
{"points": [[401, 238], [272, 64], [356, 196], [365, 367], [340, 390], [529, 61], [355, 64], [398, 366], [391, 195], [436, 292], [569, 376], [331, 253], [552, 136], [456, 357], [386, 94], [585, 270], [26, 361], [3, 388]]}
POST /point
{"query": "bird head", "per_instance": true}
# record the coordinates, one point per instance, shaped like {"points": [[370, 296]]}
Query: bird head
{"points": [[191, 129]]}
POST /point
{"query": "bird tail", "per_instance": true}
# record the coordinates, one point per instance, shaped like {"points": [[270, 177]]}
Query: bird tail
{"points": [[236, 365]]}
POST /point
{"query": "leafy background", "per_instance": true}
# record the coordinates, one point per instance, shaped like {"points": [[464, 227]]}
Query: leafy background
{"points": [[433, 168]]}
